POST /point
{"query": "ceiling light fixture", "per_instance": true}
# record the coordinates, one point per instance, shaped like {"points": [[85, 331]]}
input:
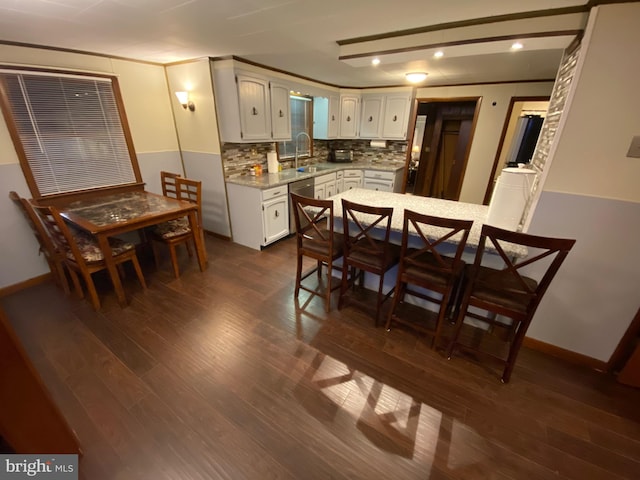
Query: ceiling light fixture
{"points": [[375, 61], [416, 77], [183, 98], [516, 46], [438, 54]]}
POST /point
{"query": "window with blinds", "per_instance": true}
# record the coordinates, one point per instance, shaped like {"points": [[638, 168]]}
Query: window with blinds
{"points": [[301, 121], [68, 130]]}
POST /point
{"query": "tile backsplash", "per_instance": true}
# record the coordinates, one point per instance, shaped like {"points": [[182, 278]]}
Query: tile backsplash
{"points": [[238, 158]]}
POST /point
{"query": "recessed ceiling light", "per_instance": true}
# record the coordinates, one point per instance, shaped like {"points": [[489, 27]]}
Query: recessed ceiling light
{"points": [[516, 46], [438, 54], [375, 61], [416, 77]]}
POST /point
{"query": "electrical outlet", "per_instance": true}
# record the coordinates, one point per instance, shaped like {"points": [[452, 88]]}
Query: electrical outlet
{"points": [[634, 148]]}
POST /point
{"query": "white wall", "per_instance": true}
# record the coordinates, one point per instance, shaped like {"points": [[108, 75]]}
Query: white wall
{"points": [[591, 193], [491, 119], [148, 109]]}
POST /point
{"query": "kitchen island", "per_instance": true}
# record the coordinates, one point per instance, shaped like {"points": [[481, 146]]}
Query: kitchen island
{"points": [[424, 205]]}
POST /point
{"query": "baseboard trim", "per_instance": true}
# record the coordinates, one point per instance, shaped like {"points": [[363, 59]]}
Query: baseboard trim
{"points": [[563, 354], [217, 235], [5, 291]]}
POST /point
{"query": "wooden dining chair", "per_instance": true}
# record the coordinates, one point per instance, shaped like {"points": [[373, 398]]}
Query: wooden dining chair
{"points": [[316, 239], [53, 256], [506, 291], [431, 265], [367, 248], [178, 232], [82, 254], [168, 181]]}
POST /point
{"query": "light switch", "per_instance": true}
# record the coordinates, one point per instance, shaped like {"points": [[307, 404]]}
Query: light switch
{"points": [[634, 148]]}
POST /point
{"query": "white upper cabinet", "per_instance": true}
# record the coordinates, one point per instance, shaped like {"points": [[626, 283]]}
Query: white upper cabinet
{"points": [[326, 111], [255, 109], [349, 115], [370, 120], [280, 112], [251, 107], [396, 116]]}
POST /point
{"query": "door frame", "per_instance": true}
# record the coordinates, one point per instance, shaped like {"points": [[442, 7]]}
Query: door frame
{"points": [[489, 190], [476, 113]]}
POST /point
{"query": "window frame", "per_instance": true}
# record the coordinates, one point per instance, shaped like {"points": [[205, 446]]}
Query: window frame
{"points": [[309, 130], [66, 197]]}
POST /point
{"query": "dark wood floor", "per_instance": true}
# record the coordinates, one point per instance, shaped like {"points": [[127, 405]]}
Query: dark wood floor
{"points": [[221, 375]]}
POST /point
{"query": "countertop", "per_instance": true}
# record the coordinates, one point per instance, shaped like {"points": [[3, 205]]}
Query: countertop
{"points": [[268, 180], [425, 205]]}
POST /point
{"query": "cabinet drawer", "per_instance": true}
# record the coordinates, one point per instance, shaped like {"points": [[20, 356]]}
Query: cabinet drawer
{"points": [[379, 175], [274, 192], [352, 173], [328, 177]]}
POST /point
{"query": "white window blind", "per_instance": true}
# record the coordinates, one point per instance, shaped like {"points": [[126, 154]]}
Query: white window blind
{"points": [[70, 130]]}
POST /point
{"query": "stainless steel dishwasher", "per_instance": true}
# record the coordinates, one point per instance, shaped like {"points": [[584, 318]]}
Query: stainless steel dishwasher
{"points": [[303, 188]]}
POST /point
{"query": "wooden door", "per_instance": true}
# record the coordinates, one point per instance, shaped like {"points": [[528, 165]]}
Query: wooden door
{"points": [[445, 150]]}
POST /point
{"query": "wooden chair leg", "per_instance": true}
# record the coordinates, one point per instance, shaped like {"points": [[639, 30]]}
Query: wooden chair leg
{"points": [[136, 266], [93, 294], [327, 303], [398, 296], [59, 273], [76, 283], [156, 253], [298, 275], [174, 260]]}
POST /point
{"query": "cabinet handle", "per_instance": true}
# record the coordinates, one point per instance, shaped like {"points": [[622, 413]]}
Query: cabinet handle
{"points": [[280, 114], [348, 118], [333, 118], [395, 118], [370, 118], [254, 111], [277, 214]]}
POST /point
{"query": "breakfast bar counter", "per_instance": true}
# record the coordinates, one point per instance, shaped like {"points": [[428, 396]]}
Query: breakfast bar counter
{"points": [[424, 205]]}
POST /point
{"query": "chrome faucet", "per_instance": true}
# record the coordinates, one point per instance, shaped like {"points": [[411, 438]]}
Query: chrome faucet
{"points": [[297, 149]]}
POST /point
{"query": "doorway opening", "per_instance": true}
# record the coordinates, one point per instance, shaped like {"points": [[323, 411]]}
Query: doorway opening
{"points": [[440, 147], [519, 136]]}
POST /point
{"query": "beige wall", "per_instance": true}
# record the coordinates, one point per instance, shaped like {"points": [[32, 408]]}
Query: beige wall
{"points": [[590, 157], [488, 129], [198, 130], [144, 92], [591, 193]]}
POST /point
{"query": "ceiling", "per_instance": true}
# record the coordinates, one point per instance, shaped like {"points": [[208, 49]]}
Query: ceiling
{"points": [[317, 39]]}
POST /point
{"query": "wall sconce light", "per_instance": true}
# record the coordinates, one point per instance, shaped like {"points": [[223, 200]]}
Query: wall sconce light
{"points": [[416, 77], [183, 98]]}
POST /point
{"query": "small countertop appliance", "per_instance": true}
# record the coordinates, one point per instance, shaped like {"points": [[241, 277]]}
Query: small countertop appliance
{"points": [[341, 156]]}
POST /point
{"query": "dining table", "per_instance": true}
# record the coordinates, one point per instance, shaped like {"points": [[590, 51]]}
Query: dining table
{"points": [[113, 214]]}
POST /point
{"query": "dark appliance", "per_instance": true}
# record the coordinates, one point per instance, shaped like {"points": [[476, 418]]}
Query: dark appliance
{"points": [[341, 156]]}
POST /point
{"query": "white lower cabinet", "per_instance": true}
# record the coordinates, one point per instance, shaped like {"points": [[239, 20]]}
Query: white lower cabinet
{"points": [[383, 181], [324, 186], [352, 179], [258, 217]]}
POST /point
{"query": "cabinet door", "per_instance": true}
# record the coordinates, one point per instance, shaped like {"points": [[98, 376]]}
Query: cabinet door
{"points": [[349, 116], [371, 113], [330, 189], [280, 112], [255, 114], [275, 219], [381, 185], [340, 185], [396, 116], [320, 191], [333, 117], [350, 183]]}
